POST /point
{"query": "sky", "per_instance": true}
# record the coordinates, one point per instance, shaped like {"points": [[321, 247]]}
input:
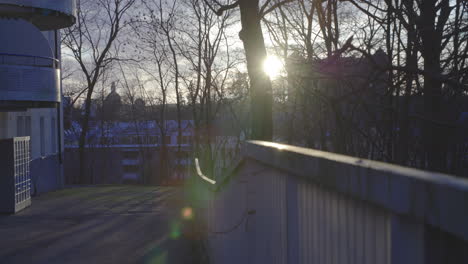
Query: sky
{"points": [[132, 48]]}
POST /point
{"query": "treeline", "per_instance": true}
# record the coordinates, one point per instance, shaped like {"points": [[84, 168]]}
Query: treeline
{"points": [[384, 79]]}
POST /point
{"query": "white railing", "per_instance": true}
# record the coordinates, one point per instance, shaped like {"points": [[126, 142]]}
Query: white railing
{"points": [[201, 175], [286, 204]]}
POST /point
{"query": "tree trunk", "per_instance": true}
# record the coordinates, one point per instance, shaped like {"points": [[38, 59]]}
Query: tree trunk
{"points": [[260, 84], [82, 142], [434, 135], [411, 63]]}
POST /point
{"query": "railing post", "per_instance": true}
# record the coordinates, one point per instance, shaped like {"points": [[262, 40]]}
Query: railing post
{"points": [[292, 220]]}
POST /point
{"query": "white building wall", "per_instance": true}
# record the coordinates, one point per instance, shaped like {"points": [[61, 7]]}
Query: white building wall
{"points": [[9, 128]]}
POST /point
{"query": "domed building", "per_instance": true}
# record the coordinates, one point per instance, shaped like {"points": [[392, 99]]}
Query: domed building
{"points": [[112, 105]]}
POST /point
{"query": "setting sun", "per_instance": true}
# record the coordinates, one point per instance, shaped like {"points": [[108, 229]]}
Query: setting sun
{"points": [[272, 66]]}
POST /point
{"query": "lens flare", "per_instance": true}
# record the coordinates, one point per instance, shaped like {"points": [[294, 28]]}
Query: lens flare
{"points": [[272, 66], [187, 213], [175, 230]]}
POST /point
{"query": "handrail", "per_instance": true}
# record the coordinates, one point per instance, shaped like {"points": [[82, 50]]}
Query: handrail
{"points": [[199, 172], [434, 198], [25, 55], [55, 62]]}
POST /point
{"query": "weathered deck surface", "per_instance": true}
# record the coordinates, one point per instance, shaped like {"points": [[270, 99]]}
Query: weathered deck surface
{"points": [[109, 224]]}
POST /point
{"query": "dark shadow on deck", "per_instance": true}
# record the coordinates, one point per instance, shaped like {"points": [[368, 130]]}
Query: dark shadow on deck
{"points": [[109, 224]]}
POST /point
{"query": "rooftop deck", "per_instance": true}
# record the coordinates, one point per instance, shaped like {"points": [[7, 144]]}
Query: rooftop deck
{"points": [[108, 224]]}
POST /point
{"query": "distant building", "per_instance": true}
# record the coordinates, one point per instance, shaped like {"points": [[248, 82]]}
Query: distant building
{"points": [[127, 143], [30, 85], [130, 152], [111, 105]]}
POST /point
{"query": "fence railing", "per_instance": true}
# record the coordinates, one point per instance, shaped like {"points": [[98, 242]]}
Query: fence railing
{"points": [[28, 60], [15, 176], [286, 204]]}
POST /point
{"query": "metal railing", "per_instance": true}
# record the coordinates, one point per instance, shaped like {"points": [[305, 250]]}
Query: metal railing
{"points": [[15, 179], [22, 152], [201, 175], [28, 60], [317, 207]]}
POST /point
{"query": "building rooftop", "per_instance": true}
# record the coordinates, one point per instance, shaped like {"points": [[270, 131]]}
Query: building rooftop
{"points": [[108, 224]]}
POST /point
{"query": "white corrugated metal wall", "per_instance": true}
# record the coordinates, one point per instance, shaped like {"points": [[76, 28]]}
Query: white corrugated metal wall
{"points": [[328, 227]]}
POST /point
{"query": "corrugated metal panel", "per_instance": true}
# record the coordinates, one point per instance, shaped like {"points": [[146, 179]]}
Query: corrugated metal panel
{"points": [[336, 229], [330, 227], [316, 207], [26, 83]]}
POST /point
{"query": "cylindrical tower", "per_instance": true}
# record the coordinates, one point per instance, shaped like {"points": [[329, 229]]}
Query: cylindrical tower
{"points": [[30, 82], [30, 51]]}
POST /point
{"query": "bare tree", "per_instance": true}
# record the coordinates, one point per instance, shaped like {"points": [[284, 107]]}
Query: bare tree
{"points": [[251, 35], [92, 41], [208, 55], [419, 82]]}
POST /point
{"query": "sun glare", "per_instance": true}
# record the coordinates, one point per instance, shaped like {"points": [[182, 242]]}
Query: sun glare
{"points": [[272, 66]]}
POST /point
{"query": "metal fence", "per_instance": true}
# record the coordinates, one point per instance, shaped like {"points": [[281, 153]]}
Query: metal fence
{"points": [[285, 204], [22, 152], [15, 178]]}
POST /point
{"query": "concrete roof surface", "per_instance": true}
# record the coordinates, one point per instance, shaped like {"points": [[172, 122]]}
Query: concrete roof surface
{"points": [[108, 224]]}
